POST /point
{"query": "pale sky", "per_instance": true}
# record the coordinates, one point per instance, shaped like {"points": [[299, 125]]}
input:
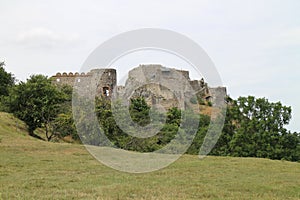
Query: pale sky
{"points": [[255, 44]]}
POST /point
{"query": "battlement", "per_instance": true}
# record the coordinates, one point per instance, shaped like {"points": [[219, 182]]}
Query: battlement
{"points": [[70, 74], [83, 74], [105, 85]]}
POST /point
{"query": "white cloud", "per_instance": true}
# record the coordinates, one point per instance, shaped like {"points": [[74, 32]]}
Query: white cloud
{"points": [[45, 38]]}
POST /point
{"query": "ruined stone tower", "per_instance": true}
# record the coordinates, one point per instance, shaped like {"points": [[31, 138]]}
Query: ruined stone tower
{"points": [[159, 84]]}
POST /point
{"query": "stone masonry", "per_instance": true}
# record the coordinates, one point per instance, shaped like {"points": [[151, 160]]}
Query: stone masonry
{"points": [[103, 80], [156, 83]]}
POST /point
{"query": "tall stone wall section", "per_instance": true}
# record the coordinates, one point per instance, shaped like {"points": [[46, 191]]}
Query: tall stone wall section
{"points": [[217, 95], [166, 86], [103, 81]]}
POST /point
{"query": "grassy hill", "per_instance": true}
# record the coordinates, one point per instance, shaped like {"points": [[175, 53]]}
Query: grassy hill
{"points": [[35, 169]]}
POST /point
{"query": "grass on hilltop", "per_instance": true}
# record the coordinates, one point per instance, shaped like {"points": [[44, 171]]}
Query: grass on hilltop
{"points": [[35, 169]]}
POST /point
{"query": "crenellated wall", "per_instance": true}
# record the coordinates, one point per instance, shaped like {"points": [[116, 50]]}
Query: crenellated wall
{"points": [[104, 80]]}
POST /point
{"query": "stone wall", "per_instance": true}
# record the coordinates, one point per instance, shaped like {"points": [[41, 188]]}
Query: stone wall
{"points": [[156, 83], [102, 80], [217, 95], [166, 86]]}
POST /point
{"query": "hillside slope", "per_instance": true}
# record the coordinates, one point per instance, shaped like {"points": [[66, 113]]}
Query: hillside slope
{"points": [[35, 169]]}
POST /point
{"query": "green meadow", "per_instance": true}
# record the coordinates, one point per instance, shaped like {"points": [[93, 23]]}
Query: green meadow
{"points": [[34, 169]]}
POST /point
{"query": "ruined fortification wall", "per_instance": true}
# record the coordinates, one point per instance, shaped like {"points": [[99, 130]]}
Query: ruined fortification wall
{"points": [[166, 86], [105, 80], [163, 85], [66, 78], [217, 95], [101, 80]]}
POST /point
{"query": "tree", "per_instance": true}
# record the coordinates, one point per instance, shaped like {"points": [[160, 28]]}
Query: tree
{"points": [[255, 127], [261, 125], [139, 111], [140, 114], [37, 103], [7, 80], [63, 125]]}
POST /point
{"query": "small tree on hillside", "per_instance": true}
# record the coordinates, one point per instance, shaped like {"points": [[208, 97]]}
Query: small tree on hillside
{"points": [[37, 103]]}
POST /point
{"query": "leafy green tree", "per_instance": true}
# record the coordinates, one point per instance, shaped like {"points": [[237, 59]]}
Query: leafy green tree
{"points": [[106, 120], [139, 111], [7, 80], [201, 133], [222, 147], [174, 116], [261, 125], [63, 125], [255, 127], [37, 103]]}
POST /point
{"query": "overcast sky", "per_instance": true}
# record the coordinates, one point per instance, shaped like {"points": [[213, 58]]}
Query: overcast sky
{"points": [[255, 45]]}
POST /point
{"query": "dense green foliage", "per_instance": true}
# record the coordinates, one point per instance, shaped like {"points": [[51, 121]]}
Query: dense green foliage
{"points": [[255, 128], [139, 111], [36, 102], [40, 104], [63, 125], [7, 81]]}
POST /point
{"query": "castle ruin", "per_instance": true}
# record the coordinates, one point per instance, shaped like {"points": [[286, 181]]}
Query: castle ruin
{"points": [[157, 84]]}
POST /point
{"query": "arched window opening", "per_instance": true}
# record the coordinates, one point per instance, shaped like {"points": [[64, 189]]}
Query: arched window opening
{"points": [[106, 91]]}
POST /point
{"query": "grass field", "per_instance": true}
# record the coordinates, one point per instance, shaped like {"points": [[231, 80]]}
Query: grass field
{"points": [[34, 169]]}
